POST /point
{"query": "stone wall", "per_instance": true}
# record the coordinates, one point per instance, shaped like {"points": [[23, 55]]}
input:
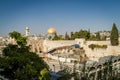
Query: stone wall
{"points": [[98, 52], [92, 54], [49, 44], [36, 44]]}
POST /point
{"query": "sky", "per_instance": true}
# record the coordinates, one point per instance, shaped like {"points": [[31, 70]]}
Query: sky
{"points": [[63, 15]]}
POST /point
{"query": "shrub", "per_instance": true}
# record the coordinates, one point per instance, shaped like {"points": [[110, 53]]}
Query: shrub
{"points": [[93, 46]]}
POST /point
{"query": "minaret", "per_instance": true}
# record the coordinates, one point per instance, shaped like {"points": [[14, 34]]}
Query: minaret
{"points": [[27, 31]]}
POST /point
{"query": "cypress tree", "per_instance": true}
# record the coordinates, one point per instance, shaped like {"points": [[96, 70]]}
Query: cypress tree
{"points": [[98, 36], [114, 35], [67, 36]]}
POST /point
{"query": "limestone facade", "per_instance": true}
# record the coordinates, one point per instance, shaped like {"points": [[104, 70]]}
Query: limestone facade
{"points": [[92, 54], [38, 44], [50, 44]]}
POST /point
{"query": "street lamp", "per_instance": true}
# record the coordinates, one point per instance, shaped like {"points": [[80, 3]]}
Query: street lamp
{"points": [[54, 67]]}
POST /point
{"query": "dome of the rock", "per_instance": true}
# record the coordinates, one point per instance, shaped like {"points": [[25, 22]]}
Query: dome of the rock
{"points": [[51, 31]]}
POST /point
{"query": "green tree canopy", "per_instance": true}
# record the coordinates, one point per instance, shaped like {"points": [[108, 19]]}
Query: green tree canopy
{"points": [[21, 41], [15, 35], [57, 37], [114, 35], [72, 36], [98, 36], [84, 34], [20, 64], [67, 36], [81, 34], [44, 74]]}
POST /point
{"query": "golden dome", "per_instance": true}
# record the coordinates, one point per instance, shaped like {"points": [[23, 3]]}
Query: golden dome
{"points": [[51, 31]]}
